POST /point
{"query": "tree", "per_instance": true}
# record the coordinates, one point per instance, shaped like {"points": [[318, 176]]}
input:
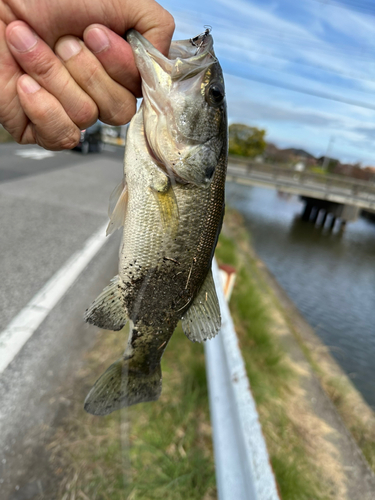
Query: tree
{"points": [[246, 141]]}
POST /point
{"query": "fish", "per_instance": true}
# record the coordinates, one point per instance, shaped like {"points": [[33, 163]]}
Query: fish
{"points": [[171, 206]]}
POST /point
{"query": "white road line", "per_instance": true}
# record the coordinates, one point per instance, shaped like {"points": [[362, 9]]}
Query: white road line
{"points": [[34, 154], [21, 328]]}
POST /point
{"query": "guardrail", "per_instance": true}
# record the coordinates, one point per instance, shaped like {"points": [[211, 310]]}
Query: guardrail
{"points": [[243, 469]]}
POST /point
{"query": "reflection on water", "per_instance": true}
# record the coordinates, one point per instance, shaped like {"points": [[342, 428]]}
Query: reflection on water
{"points": [[329, 276]]}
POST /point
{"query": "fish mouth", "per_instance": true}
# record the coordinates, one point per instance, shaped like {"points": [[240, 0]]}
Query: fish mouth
{"points": [[173, 88], [186, 58]]}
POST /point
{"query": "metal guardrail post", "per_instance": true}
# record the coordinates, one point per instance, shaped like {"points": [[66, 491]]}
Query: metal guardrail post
{"points": [[243, 469]]}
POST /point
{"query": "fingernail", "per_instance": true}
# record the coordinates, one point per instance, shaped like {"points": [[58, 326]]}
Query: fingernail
{"points": [[68, 48], [96, 40], [22, 38], [28, 84]]}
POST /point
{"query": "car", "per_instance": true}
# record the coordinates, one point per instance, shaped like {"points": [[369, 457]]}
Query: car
{"points": [[91, 139]]}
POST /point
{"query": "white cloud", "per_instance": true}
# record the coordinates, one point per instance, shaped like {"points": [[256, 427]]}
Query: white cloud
{"points": [[318, 49]]}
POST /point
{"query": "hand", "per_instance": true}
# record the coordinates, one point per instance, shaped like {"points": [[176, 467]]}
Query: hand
{"points": [[46, 105]]}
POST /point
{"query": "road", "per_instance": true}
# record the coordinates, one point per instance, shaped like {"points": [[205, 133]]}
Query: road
{"points": [[50, 205]]}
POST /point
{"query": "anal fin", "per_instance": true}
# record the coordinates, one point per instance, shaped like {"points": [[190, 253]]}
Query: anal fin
{"points": [[202, 320], [108, 310]]}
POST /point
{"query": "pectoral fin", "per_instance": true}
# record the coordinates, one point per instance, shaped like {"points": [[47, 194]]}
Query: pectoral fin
{"points": [[108, 310], [202, 320], [117, 207], [168, 210]]}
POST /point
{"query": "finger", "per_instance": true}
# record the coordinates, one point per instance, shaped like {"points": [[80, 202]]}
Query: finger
{"points": [[12, 115], [115, 55], [116, 104], [6, 14], [39, 61], [153, 22], [50, 126]]}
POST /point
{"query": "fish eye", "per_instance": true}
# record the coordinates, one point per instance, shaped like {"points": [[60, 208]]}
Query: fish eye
{"points": [[215, 94]]}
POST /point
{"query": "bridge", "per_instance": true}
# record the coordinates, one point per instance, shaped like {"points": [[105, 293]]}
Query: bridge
{"points": [[324, 195]]}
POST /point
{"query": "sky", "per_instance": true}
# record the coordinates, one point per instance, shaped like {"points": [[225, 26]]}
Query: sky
{"points": [[304, 71]]}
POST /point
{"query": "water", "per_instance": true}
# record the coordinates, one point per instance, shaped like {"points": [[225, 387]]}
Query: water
{"points": [[329, 276]]}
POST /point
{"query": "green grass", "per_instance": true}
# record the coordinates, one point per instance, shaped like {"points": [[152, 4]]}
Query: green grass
{"points": [[163, 450], [172, 437], [160, 450], [318, 170]]}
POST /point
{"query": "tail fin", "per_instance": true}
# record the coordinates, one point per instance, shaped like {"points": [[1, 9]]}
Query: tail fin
{"points": [[120, 386]]}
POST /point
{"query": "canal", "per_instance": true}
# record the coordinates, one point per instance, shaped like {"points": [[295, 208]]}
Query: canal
{"points": [[330, 276]]}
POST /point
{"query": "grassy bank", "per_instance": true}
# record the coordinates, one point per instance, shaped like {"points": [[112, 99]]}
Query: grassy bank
{"points": [[298, 441], [152, 451], [272, 377], [163, 450]]}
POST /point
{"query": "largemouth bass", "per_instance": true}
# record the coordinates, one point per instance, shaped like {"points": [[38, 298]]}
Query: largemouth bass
{"points": [[171, 206]]}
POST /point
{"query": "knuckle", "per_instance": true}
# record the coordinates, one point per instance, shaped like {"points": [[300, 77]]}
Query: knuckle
{"points": [[55, 132], [122, 114], [92, 77], [169, 23], [86, 115], [44, 67], [70, 139]]}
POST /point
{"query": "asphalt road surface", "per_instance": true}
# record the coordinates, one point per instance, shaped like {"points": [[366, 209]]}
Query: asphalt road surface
{"points": [[51, 203]]}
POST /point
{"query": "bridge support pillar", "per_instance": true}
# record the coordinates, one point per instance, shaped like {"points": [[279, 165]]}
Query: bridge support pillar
{"points": [[315, 215], [324, 218], [307, 211], [315, 207], [332, 224]]}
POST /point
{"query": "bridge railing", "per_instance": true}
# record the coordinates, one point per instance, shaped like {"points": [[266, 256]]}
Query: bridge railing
{"points": [[328, 182]]}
